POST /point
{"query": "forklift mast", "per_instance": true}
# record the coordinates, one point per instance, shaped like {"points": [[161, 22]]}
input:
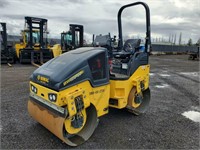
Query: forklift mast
{"points": [[4, 35], [7, 51], [36, 23], [73, 38], [74, 28]]}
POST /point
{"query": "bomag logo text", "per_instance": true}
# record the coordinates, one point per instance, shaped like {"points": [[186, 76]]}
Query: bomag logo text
{"points": [[42, 79], [73, 77]]}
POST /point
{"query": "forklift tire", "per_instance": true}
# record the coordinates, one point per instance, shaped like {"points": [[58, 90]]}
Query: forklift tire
{"points": [[12, 54], [191, 57], [20, 59]]}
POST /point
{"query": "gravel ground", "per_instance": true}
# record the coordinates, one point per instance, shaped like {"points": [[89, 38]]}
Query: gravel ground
{"points": [[174, 85]]}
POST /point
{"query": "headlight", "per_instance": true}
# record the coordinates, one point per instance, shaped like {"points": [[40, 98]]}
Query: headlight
{"points": [[33, 89], [52, 97]]}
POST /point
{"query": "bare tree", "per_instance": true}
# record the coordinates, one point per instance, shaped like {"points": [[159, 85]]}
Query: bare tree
{"points": [[180, 38], [172, 39], [198, 42], [175, 39], [189, 42]]}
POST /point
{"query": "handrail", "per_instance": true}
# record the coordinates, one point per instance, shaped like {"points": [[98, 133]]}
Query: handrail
{"points": [[148, 26]]}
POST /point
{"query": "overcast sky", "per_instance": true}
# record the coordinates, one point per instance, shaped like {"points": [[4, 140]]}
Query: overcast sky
{"points": [[168, 17]]}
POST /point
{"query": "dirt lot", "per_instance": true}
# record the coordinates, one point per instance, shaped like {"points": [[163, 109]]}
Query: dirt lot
{"points": [[174, 90]]}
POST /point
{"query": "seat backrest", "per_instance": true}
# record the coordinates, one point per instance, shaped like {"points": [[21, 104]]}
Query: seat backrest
{"points": [[131, 45], [102, 40]]}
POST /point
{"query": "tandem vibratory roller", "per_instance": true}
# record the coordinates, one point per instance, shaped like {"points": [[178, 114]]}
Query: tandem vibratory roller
{"points": [[70, 92]]}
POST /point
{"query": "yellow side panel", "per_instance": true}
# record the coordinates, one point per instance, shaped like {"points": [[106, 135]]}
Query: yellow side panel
{"points": [[120, 89], [56, 50], [141, 74], [100, 99]]}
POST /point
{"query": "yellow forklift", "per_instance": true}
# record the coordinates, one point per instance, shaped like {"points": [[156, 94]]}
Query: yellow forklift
{"points": [[70, 92], [7, 51], [33, 47], [73, 38]]}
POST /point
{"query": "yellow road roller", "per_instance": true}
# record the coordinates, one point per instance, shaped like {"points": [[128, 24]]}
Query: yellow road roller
{"points": [[70, 92]]}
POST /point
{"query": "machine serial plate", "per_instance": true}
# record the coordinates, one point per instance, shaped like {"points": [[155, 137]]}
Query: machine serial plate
{"points": [[124, 66]]}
